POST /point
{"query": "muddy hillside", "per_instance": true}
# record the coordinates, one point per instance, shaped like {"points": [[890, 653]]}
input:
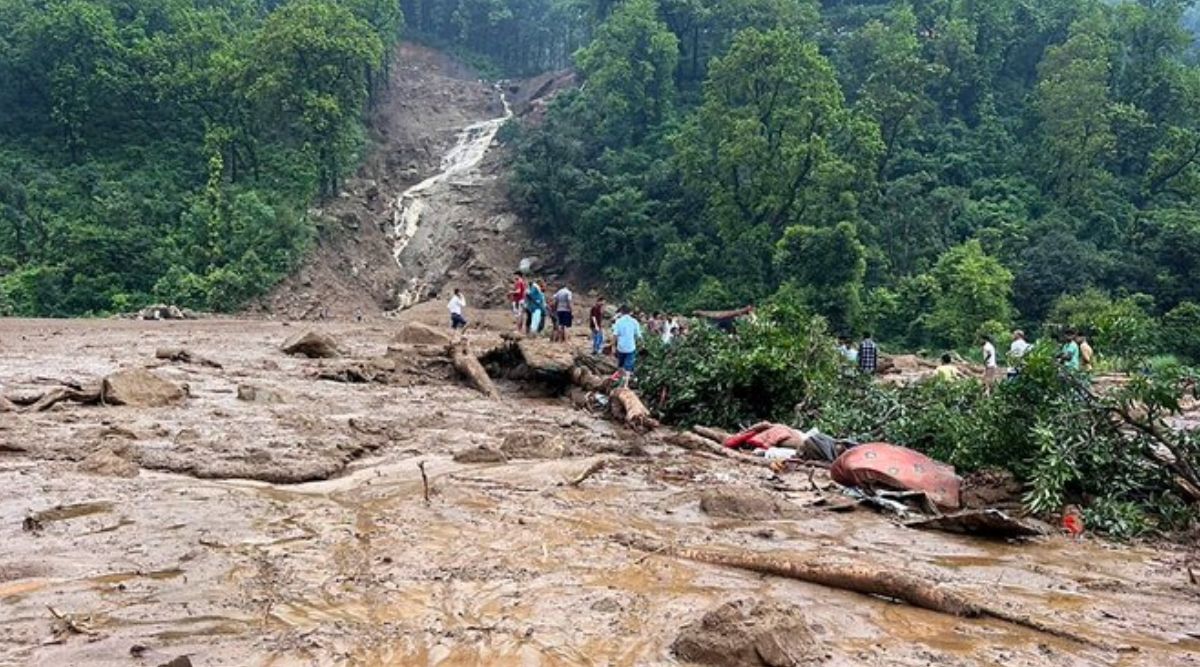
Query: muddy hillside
{"points": [[429, 206], [188, 493]]}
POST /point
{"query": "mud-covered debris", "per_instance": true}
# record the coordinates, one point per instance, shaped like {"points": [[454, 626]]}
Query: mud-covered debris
{"points": [[140, 388], [160, 311], [990, 487], [107, 463], [745, 633], [983, 523], [255, 394], [360, 372], [181, 661], [480, 454], [313, 345], [418, 333], [525, 445], [734, 502], [184, 356]]}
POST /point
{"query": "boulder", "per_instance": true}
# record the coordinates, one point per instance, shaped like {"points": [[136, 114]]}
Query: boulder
{"points": [[734, 502], [254, 394], [107, 463], [533, 446], [140, 388], [312, 345], [744, 633], [417, 333]]}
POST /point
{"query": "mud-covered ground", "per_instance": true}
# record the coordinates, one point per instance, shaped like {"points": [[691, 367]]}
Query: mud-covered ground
{"points": [[506, 564]]}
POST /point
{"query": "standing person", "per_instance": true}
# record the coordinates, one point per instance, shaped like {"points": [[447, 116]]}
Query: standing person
{"points": [[564, 302], [596, 323], [1069, 355], [1016, 352], [654, 325], [627, 331], [1086, 353], [518, 299], [456, 306], [847, 350], [990, 367], [868, 355], [669, 329], [535, 306]]}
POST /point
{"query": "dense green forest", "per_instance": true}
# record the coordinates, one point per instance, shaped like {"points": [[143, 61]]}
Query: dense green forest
{"points": [[168, 149], [929, 169]]}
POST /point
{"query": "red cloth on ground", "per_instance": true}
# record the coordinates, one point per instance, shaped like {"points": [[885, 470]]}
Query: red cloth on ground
{"points": [[762, 436], [894, 467]]}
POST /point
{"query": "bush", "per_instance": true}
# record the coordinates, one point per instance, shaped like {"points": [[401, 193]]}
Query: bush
{"points": [[1047, 426], [1181, 331], [1117, 328]]}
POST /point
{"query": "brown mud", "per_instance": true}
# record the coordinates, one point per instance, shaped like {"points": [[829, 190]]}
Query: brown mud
{"points": [[296, 532]]}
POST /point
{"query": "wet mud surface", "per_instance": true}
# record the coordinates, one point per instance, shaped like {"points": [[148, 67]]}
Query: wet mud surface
{"points": [[296, 531]]}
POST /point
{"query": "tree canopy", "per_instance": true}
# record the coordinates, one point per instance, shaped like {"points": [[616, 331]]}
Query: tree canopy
{"points": [[967, 165]]}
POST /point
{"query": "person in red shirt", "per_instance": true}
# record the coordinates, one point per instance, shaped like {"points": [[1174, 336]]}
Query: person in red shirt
{"points": [[596, 322], [518, 299]]}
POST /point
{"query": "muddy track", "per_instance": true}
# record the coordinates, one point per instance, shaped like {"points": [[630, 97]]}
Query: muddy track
{"points": [[507, 564]]}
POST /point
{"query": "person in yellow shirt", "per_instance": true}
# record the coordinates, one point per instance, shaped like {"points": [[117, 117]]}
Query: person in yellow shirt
{"points": [[947, 371]]}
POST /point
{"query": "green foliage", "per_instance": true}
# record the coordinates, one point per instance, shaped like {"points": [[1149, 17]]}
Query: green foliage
{"points": [[775, 367], [162, 149], [990, 157], [973, 289], [1121, 327], [1181, 330]]}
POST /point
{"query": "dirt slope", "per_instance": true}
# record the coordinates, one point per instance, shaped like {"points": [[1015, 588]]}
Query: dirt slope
{"points": [[467, 235]]}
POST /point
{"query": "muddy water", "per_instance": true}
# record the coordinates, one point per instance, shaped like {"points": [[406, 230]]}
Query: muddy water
{"points": [[505, 565]]}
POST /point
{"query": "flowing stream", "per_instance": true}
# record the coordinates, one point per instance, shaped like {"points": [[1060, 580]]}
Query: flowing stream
{"points": [[468, 151]]}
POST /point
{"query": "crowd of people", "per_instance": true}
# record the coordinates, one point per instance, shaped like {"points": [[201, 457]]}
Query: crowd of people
{"points": [[533, 312]]}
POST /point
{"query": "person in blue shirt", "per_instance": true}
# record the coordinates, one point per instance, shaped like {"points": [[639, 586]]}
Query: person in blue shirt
{"points": [[535, 306], [626, 332]]}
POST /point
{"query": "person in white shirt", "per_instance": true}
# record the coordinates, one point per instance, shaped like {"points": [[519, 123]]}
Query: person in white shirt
{"points": [[1016, 351], [456, 306], [990, 368]]}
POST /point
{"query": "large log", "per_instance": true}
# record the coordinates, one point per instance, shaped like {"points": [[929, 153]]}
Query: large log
{"points": [[470, 368], [693, 442], [582, 377], [49, 399], [629, 408], [876, 579], [715, 434]]}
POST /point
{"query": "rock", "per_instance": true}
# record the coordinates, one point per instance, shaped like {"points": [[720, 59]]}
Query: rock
{"points": [[140, 388], [480, 454], [254, 394], [533, 446], [181, 661], [740, 503], [527, 264], [416, 333], [161, 312], [745, 633], [105, 462], [312, 345]]}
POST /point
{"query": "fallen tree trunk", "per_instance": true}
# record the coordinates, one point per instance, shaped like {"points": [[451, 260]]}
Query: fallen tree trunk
{"points": [[467, 365], [58, 395], [861, 577], [715, 434], [629, 408], [586, 379], [693, 442], [184, 356]]}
